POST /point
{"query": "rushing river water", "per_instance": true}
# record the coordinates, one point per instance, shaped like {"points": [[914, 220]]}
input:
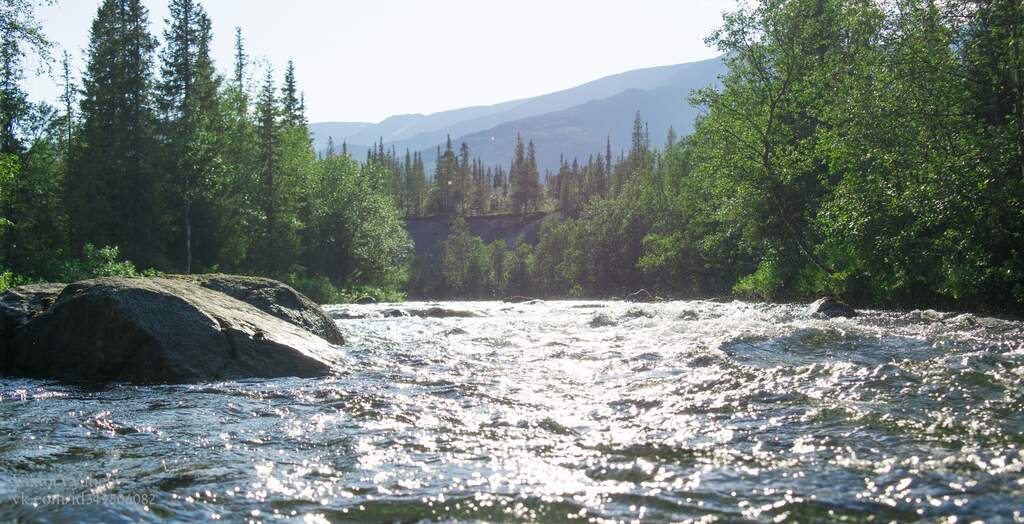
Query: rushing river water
{"points": [[555, 411]]}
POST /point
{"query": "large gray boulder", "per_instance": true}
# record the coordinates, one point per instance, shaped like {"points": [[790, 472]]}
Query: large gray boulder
{"points": [[161, 330], [275, 298]]}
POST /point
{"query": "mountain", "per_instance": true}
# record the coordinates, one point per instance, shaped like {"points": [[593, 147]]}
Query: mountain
{"points": [[574, 122]]}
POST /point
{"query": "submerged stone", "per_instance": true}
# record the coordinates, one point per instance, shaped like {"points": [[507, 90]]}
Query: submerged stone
{"points": [[517, 300], [440, 312]]}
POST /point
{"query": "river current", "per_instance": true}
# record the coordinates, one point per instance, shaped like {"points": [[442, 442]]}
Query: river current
{"points": [[552, 412]]}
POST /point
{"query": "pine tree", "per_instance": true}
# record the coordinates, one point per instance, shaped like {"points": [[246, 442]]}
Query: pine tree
{"points": [[445, 173], [481, 191], [68, 98], [295, 175], [463, 194], [235, 189], [639, 137], [410, 182], [532, 180], [268, 153], [607, 158], [517, 179], [292, 105], [599, 179], [241, 60], [562, 192], [116, 184], [419, 185], [192, 125]]}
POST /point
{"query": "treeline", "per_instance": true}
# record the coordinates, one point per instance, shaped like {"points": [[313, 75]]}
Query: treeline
{"points": [[460, 185], [182, 168], [590, 244], [873, 150]]}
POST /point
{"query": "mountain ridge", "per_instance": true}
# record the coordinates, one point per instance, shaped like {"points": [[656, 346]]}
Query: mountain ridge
{"points": [[565, 121]]}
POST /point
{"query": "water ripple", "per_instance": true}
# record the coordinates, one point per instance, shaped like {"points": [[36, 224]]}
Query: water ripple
{"points": [[698, 411]]}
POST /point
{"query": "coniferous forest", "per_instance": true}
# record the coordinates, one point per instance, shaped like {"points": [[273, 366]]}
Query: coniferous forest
{"points": [[870, 150]]}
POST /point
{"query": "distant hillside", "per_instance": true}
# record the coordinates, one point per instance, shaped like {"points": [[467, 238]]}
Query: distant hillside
{"points": [[575, 121], [582, 131], [339, 130]]}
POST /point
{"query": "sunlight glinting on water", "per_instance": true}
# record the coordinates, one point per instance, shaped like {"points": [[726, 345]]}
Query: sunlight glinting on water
{"points": [[563, 410]]}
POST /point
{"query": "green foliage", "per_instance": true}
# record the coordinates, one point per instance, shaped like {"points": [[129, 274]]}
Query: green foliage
{"points": [[183, 170], [98, 262], [765, 283], [9, 279], [323, 291], [117, 196], [873, 150]]}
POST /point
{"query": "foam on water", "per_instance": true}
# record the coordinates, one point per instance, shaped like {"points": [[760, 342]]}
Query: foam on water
{"points": [[550, 411]]}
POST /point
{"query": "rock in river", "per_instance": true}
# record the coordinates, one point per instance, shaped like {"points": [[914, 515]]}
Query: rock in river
{"points": [[517, 299], [20, 304], [640, 295], [162, 330], [275, 298], [440, 312], [829, 307]]}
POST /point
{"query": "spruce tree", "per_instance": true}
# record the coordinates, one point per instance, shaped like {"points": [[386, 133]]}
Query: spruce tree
{"points": [[116, 186], [268, 152], [292, 105], [235, 188], [68, 99], [241, 60], [420, 178], [191, 124], [532, 180], [463, 194], [517, 179]]}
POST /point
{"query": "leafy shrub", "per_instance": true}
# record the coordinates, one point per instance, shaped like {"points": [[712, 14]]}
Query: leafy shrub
{"points": [[8, 280], [99, 262], [322, 291], [765, 283]]}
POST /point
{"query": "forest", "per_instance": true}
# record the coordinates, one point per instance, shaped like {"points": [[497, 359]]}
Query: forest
{"points": [[869, 150], [157, 160]]}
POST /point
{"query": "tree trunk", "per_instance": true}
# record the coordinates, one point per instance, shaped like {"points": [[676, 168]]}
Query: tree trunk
{"points": [[188, 238]]}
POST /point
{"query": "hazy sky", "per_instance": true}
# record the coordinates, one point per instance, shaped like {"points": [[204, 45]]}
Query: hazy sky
{"points": [[369, 59]]}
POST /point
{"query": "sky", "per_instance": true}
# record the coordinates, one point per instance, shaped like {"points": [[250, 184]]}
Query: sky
{"points": [[362, 61]]}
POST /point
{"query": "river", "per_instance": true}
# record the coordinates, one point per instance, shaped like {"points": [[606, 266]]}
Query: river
{"points": [[555, 411]]}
